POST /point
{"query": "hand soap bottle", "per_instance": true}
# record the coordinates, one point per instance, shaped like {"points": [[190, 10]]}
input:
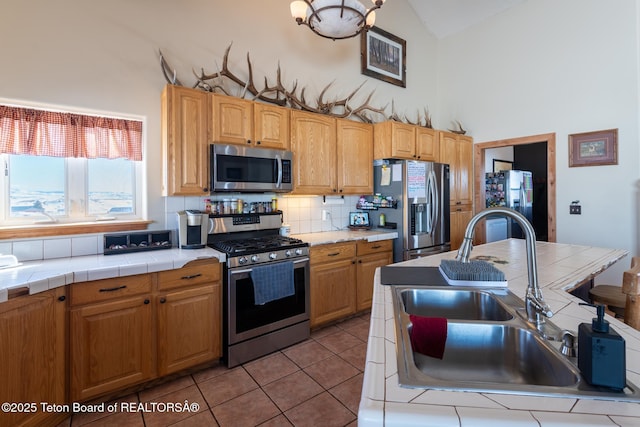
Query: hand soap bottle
{"points": [[601, 353]]}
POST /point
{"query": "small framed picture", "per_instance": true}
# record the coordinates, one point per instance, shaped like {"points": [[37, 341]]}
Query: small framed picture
{"points": [[502, 165], [593, 148], [359, 219], [383, 56]]}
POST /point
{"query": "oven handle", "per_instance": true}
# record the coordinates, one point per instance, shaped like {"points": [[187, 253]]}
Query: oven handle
{"points": [[247, 270]]}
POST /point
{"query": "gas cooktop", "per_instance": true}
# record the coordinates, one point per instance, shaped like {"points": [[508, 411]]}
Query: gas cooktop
{"points": [[253, 245]]}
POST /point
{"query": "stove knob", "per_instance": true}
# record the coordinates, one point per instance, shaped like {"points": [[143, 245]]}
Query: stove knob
{"points": [[298, 251], [287, 253], [255, 258], [242, 260], [273, 255]]}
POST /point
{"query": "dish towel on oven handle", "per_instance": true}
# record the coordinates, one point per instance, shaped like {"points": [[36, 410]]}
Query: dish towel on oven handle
{"points": [[272, 282]]}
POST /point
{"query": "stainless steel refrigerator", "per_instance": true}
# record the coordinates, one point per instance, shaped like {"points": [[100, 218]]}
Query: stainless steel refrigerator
{"points": [[421, 190], [513, 189]]}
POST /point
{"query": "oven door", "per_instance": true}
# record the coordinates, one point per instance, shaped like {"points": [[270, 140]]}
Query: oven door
{"points": [[247, 320]]}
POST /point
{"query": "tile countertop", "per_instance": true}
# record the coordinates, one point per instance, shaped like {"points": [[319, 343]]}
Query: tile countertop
{"points": [[561, 267], [325, 237], [39, 276]]}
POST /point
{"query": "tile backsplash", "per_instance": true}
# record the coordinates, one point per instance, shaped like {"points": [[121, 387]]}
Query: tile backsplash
{"points": [[302, 213]]}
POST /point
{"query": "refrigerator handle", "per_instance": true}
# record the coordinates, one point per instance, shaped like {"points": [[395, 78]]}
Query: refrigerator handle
{"points": [[522, 199], [434, 202]]}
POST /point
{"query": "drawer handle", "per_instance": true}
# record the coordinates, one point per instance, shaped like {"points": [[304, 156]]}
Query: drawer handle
{"points": [[62, 298], [193, 276], [117, 288], [334, 254], [376, 247]]}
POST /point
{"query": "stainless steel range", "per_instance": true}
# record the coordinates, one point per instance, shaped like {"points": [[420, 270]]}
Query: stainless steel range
{"points": [[266, 285]]}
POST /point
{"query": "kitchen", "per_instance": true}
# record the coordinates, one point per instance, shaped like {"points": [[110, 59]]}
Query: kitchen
{"points": [[132, 83]]}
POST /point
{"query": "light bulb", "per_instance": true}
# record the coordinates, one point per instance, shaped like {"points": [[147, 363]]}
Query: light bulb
{"points": [[298, 9], [371, 19]]}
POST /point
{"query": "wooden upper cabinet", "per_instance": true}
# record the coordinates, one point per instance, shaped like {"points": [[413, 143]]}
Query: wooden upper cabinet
{"points": [[271, 126], [185, 141], [313, 142], [232, 119], [240, 121], [457, 151], [355, 157], [427, 145]]}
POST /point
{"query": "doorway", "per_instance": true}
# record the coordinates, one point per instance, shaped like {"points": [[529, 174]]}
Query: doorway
{"points": [[522, 146]]}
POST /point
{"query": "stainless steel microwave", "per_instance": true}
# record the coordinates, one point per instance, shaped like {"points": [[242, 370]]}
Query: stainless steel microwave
{"points": [[236, 168]]}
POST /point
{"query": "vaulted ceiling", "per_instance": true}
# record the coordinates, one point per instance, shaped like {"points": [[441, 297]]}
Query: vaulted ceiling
{"points": [[446, 17]]}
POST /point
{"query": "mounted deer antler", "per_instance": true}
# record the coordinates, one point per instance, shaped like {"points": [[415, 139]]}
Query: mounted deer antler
{"points": [[278, 94], [460, 130]]}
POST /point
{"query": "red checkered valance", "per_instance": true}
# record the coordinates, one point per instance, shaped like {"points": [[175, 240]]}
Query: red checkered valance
{"points": [[47, 133]]}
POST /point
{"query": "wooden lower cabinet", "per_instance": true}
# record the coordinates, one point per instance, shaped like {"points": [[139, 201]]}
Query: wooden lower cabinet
{"points": [[125, 331], [342, 278], [111, 346], [460, 217], [188, 328], [33, 354], [371, 255]]}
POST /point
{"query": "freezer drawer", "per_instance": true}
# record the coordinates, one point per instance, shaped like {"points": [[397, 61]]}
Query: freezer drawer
{"points": [[496, 229]]}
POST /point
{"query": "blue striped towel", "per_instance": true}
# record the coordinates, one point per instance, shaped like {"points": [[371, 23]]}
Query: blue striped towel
{"points": [[272, 282]]}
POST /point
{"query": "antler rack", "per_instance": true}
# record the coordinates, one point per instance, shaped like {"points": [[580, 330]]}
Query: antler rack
{"points": [[279, 94]]}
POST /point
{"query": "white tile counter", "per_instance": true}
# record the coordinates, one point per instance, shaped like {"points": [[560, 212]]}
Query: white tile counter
{"points": [[39, 276], [325, 237], [560, 267]]}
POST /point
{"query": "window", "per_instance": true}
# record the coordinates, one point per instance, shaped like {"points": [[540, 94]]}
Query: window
{"points": [[66, 167]]}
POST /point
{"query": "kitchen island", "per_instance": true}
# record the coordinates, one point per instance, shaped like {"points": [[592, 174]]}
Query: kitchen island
{"points": [[561, 269]]}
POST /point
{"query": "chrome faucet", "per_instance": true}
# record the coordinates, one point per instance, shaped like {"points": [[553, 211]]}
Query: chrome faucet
{"points": [[535, 304]]}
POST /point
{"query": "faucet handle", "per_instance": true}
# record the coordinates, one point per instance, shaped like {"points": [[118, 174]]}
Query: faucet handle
{"points": [[569, 345]]}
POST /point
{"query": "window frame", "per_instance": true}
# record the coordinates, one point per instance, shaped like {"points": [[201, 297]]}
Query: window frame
{"points": [[72, 223]]}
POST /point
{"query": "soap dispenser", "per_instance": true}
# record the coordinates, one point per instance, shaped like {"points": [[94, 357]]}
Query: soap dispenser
{"points": [[601, 353]]}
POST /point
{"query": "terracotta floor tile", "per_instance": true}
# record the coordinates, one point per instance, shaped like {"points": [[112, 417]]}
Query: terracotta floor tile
{"points": [[270, 368], [357, 356], [331, 372], [307, 353], [279, 421], [248, 410], [327, 330], [359, 330], [166, 388], [321, 411], [209, 373], [339, 341], [351, 323], [202, 419], [163, 417], [227, 386], [120, 419], [292, 390], [349, 392], [84, 418]]}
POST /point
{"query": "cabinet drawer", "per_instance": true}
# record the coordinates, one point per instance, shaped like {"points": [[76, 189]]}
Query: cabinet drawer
{"points": [[332, 252], [365, 247], [189, 276], [106, 289]]}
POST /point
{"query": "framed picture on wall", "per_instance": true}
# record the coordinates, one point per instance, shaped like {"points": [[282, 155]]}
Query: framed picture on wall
{"points": [[593, 148], [502, 165], [383, 56]]}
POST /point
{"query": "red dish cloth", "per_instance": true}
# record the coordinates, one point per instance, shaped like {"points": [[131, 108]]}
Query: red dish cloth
{"points": [[428, 335]]}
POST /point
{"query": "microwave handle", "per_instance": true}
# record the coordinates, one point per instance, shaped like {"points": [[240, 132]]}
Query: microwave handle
{"points": [[279, 160]]}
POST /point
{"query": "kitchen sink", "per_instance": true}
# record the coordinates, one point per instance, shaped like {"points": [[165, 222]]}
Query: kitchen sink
{"points": [[490, 347], [454, 304]]}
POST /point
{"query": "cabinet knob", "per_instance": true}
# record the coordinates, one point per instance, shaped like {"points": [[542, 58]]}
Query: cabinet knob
{"points": [[359, 261], [258, 142], [62, 298], [146, 301], [248, 141], [163, 300], [206, 190]]}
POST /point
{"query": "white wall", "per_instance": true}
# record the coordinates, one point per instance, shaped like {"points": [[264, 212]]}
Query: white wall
{"points": [[499, 153], [565, 67]]}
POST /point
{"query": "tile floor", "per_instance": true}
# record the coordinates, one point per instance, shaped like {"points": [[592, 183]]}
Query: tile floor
{"points": [[314, 383]]}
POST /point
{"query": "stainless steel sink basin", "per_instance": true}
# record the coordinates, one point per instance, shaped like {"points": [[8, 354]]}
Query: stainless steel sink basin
{"points": [[454, 304], [490, 347]]}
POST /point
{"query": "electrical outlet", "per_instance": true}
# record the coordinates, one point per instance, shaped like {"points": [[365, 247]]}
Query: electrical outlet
{"points": [[325, 214], [575, 210]]}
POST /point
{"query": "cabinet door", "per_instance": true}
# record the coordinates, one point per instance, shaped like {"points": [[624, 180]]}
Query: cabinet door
{"points": [[189, 326], [112, 346], [367, 265], [333, 291], [271, 126], [427, 145], [313, 142], [355, 157], [185, 141], [33, 331], [460, 217], [232, 120], [449, 155], [464, 173]]}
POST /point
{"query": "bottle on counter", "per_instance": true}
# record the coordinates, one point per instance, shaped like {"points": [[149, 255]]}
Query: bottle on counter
{"points": [[274, 204], [383, 220], [207, 205]]}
